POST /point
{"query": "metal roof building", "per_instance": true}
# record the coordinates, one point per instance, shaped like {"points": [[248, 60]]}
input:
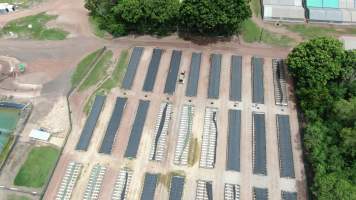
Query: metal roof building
{"points": [[283, 10], [332, 11]]}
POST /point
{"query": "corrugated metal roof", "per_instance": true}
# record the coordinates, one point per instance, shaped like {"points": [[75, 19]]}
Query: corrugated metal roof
{"points": [[315, 3], [39, 135], [283, 12], [346, 15], [347, 3], [324, 14], [353, 16], [283, 2], [331, 3]]}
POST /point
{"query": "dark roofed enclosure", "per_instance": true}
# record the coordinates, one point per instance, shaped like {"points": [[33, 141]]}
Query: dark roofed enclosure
{"points": [[289, 195], [136, 130], [132, 68], [149, 186], [285, 146], [152, 70], [177, 186], [192, 86], [233, 151], [257, 81], [214, 76], [90, 124], [114, 123], [236, 78], [260, 193], [259, 166], [172, 77]]}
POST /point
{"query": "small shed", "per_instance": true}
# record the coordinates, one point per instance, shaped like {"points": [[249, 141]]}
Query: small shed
{"points": [[39, 135]]}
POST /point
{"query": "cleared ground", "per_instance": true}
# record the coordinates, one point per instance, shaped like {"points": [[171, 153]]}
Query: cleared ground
{"points": [[219, 176], [33, 27]]}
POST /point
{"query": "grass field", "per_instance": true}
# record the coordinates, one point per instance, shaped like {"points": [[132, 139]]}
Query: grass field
{"points": [[312, 31], [37, 167], [252, 33], [82, 68], [39, 31], [98, 72], [114, 80], [118, 74]]}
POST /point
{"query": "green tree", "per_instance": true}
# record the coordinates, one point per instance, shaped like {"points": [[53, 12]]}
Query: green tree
{"points": [[317, 61], [325, 83], [213, 17], [148, 16], [349, 66], [312, 64], [137, 16], [335, 186], [99, 7], [344, 113]]}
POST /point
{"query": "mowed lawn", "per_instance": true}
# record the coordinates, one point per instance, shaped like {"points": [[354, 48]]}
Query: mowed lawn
{"points": [[36, 169], [251, 33]]}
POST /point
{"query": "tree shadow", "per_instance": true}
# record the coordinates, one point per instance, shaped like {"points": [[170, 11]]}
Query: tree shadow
{"points": [[204, 39]]}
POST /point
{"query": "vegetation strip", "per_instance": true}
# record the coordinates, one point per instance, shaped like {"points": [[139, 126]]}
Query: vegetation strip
{"points": [[114, 80], [98, 71], [82, 68]]}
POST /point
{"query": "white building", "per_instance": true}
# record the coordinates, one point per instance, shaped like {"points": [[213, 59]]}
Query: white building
{"points": [[283, 10]]}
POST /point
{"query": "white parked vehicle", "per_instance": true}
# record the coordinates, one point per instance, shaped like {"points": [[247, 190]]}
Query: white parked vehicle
{"points": [[6, 8]]}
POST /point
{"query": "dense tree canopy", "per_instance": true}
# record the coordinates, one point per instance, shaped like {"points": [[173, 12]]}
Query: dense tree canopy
{"points": [[216, 17], [325, 79], [313, 64], [139, 16], [160, 17]]}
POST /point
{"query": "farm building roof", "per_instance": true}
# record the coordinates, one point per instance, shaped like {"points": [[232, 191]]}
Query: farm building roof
{"points": [[39, 135], [292, 13], [283, 2]]}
